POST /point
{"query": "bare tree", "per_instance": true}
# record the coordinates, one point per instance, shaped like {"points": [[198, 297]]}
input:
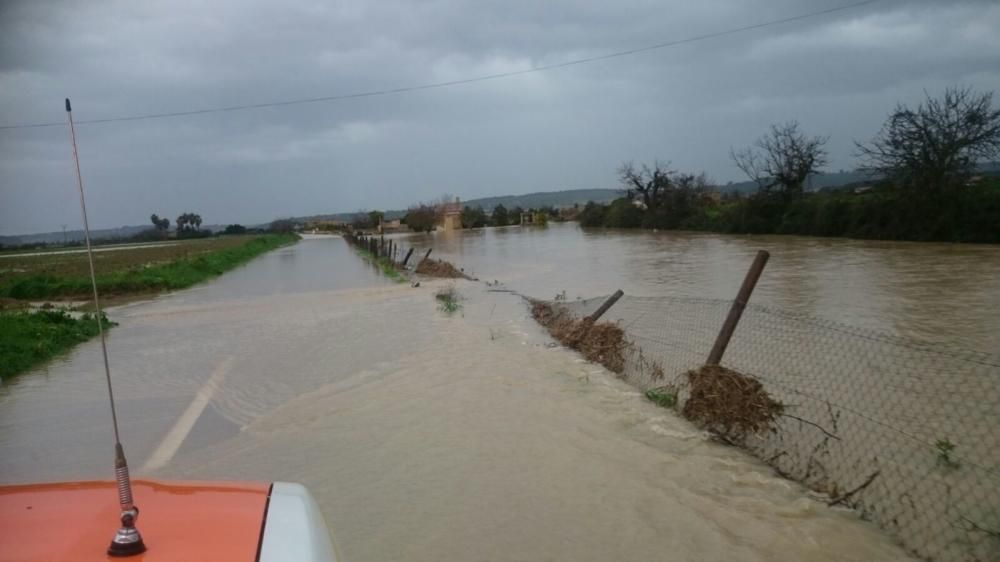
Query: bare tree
{"points": [[422, 218], [936, 145], [697, 183], [650, 183], [782, 159]]}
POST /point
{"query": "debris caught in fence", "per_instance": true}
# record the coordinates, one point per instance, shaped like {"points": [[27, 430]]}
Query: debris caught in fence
{"points": [[901, 430], [729, 403], [600, 342], [440, 268]]}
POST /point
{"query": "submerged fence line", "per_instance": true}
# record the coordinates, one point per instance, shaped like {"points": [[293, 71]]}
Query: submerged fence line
{"points": [[905, 432], [380, 247], [386, 253]]}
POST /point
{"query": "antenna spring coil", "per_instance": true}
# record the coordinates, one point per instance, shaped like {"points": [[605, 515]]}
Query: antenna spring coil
{"points": [[124, 487]]}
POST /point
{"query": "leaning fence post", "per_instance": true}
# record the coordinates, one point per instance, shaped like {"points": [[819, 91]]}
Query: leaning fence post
{"points": [[408, 254], [729, 326], [427, 255], [604, 307]]}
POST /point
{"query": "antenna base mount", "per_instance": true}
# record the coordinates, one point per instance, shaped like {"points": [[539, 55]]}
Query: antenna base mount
{"points": [[127, 541]]}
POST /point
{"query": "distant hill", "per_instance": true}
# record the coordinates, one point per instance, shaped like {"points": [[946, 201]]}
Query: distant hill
{"points": [[817, 182], [826, 181], [75, 236], [557, 199], [59, 237]]}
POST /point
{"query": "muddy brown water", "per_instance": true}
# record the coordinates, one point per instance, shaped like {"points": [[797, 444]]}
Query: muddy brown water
{"points": [[934, 292], [434, 437]]}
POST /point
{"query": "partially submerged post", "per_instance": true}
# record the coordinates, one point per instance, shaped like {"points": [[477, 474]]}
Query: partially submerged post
{"points": [[736, 311], [427, 255], [604, 307], [407, 258]]}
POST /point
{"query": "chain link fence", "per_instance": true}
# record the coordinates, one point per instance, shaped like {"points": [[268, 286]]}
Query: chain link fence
{"points": [[906, 433]]}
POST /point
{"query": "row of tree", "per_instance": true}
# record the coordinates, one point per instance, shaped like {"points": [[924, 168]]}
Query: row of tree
{"points": [[189, 226], [425, 217], [185, 222], [922, 162]]}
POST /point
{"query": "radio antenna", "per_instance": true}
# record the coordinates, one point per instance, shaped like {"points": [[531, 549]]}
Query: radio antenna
{"points": [[127, 540]]}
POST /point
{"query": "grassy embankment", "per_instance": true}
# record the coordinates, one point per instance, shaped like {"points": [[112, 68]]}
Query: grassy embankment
{"points": [[29, 338]]}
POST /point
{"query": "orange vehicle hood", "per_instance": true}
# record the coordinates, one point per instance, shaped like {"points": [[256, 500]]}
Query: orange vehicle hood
{"points": [[75, 521]]}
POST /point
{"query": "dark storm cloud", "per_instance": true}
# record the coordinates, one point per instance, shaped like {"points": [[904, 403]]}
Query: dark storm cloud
{"points": [[838, 74]]}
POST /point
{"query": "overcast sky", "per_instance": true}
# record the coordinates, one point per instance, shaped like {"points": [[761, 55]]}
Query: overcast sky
{"points": [[838, 75]]}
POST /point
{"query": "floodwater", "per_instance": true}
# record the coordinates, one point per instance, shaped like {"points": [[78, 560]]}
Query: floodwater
{"points": [[933, 292], [467, 437]]}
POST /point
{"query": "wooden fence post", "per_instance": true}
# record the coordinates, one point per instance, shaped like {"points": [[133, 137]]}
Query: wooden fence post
{"points": [[427, 255], [736, 311], [604, 307], [408, 254]]}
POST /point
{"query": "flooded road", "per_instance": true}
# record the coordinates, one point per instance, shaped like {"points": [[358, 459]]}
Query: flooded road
{"points": [[426, 436]]}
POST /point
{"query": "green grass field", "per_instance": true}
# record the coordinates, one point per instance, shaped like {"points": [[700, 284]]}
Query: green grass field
{"points": [[159, 267]]}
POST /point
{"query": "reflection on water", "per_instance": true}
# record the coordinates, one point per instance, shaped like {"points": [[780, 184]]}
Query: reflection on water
{"points": [[947, 293]]}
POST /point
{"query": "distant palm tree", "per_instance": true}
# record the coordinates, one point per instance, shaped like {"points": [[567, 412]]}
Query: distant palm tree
{"points": [[188, 221]]}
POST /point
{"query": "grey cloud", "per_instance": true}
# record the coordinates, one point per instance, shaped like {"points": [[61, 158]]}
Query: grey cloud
{"points": [[838, 74]]}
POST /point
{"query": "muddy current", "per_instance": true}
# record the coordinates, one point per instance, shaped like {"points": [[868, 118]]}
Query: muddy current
{"points": [[428, 436]]}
